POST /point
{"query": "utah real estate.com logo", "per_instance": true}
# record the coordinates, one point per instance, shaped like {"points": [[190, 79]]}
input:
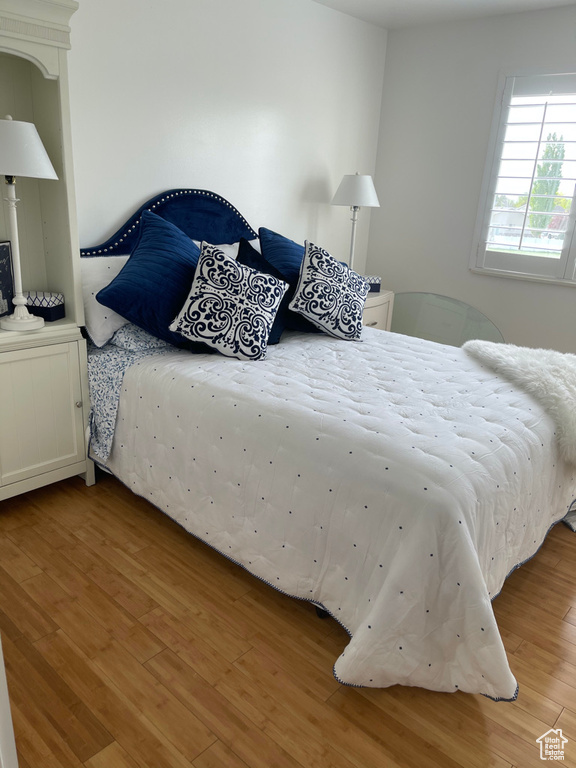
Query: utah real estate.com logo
{"points": [[552, 744]]}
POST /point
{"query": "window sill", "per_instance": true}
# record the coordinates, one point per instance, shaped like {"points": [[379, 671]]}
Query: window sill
{"points": [[522, 276]]}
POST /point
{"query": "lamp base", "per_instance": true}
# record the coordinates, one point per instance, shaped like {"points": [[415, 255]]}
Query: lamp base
{"points": [[26, 323]]}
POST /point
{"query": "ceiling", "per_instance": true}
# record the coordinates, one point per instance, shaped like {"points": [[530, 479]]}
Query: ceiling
{"points": [[395, 14]]}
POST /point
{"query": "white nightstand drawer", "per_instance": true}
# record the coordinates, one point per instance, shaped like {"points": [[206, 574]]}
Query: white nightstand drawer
{"points": [[378, 310]]}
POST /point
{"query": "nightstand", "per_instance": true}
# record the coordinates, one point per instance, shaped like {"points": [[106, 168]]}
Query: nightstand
{"points": [[378, 310], [44, 407]]}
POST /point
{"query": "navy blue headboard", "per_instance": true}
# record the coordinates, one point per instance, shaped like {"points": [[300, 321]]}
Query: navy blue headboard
{"points": [[201, 214]]}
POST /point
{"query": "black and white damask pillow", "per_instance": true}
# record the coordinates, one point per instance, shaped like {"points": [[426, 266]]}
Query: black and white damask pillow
{"points": [[330, 294], [231, 307]]}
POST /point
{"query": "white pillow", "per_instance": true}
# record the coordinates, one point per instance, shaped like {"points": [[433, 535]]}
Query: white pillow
{"points": [[231, 249], [97, 272]]}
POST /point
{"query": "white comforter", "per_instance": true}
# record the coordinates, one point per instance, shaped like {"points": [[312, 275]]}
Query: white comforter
{"points": [[395, 482]]}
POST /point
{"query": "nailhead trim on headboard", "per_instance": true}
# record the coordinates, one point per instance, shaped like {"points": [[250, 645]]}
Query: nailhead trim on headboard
{"points": [[157, 202]]}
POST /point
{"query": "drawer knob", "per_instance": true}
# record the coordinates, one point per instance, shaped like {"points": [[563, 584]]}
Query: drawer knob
{"points": [[370, 325], [78, 403]]}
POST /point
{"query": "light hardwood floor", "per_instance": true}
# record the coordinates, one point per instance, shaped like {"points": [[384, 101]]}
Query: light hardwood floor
{"points": [[128, 643]]}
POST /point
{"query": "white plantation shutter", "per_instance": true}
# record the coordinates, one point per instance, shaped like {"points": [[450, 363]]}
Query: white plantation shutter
{"points": [[526, 221]]}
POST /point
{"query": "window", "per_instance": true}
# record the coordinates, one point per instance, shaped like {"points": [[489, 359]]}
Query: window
{"points": [[526, 220]]}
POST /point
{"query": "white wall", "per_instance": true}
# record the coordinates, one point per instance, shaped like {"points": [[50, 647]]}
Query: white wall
{"points": [[439, 91], [266, 102]]}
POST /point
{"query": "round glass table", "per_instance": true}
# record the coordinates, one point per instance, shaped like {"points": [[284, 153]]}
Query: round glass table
{"points": [[440, 318]]}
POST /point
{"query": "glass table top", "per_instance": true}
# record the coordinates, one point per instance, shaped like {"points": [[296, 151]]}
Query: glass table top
{"points": [[442, 319]]}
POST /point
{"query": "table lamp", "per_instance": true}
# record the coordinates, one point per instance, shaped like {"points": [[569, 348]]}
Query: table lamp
{"points": [[21, 154], [356, 191]]}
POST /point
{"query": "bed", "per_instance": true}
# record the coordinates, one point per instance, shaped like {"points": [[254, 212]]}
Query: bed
{"points": [[390, 481]]}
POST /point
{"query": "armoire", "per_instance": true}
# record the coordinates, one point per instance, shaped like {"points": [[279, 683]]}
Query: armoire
{"points": [[44, 403]]}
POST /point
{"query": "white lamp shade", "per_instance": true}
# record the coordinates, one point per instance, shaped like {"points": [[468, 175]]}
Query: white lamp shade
{"points": [[356, 190], [22, 152]]}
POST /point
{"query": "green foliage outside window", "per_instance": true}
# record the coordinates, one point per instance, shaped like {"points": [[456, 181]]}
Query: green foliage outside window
{"points": [[543, 200]]}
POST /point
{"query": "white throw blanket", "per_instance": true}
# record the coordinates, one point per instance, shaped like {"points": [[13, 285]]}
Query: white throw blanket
{"points": [[548, 375]]}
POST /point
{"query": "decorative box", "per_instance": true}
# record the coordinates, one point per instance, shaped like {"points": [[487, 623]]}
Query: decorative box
{"points": [[50, 306], [374, 282]]}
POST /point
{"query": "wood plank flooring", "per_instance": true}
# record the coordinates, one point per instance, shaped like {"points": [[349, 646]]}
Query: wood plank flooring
{"points": [[129, 644]]}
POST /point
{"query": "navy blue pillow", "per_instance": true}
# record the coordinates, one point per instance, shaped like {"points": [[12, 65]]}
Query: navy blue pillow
{"points": [[250, 257], [151, 288], [282, 253], [286, 256]]}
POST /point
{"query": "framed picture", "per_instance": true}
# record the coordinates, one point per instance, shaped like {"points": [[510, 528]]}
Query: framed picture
{"points": [[6, 280]]}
